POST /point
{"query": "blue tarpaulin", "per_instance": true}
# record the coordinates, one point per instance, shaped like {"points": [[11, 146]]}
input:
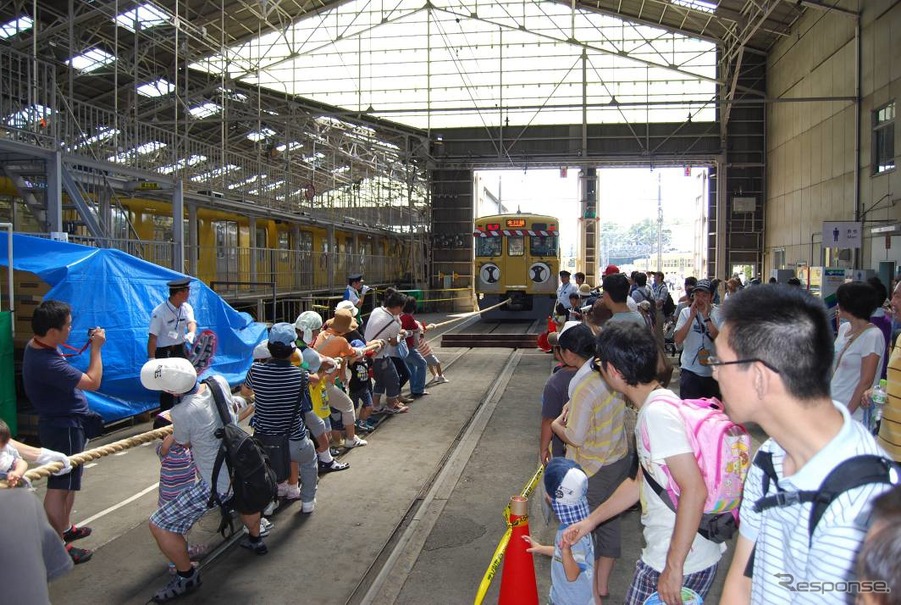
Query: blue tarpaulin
{"points": [[118, 292]]}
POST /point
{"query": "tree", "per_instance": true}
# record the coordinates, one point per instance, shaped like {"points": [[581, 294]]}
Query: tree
{"points": [[632, 241]]}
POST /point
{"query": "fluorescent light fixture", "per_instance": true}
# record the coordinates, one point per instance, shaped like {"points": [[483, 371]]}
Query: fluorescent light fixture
{"points": [[16, 26], [205, 110], [157, 88], [288, 146], [90, 60], [259, 135], [146, 16]]}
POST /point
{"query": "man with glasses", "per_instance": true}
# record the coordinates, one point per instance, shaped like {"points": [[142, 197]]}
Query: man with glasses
{"points": [[56, 390], [774, 365], [696, 329], [172, 325]]}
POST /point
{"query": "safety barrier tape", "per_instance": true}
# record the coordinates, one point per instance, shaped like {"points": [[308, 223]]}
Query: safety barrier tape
{"points": [[498, 556]]}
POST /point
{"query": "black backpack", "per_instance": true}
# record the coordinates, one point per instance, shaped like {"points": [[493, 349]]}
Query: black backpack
{"points": [[669, 307], [851, 473], [253, 481]]}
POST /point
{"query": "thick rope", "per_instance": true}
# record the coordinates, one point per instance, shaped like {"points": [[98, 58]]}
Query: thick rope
{"points": [[47, 470]]}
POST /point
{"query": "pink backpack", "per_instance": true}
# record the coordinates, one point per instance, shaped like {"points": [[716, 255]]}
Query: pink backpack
{"points": [[723, 452]]}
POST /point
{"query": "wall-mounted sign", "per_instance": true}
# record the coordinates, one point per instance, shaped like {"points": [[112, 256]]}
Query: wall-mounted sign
{"points": [[841, 234]]}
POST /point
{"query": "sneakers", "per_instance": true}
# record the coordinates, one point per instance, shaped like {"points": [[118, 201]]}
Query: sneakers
{"points": [[362, 426], [265, 527], [292, 492], [177, 587], [76, 533], [282, 489], [333, 466], [441, 380], [308, 507], [258, 548], [79, 555], [355, 442]]}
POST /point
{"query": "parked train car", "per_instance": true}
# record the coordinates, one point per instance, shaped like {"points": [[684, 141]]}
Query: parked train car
{"points": [[296, 255], [516, 258]]}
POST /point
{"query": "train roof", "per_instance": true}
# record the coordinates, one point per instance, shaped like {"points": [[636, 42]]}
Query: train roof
{"points": [[527, 216]]}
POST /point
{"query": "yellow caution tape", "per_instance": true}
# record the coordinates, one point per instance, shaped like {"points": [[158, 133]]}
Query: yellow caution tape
{"points": [[505, 539]]}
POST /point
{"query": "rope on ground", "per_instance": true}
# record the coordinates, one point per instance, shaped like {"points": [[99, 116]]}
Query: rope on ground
{"points": [[505, 539], [46, 470]]}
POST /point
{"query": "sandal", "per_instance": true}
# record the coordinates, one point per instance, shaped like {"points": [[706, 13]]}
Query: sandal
{"points": [[76, 533]]}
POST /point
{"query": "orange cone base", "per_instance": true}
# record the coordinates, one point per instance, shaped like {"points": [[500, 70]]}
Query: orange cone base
{"points": [[518, 585]]}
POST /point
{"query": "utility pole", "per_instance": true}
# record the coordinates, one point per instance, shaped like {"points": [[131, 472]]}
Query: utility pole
{"points": [[659, 226]]}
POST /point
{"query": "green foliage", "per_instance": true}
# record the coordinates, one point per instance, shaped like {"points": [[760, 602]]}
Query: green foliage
{"points": [[633, 241]]}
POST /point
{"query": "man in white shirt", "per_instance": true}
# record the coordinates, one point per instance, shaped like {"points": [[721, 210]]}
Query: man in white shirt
{"points": [[566, 288], [356, 291], [172, 324], [774, 359]]}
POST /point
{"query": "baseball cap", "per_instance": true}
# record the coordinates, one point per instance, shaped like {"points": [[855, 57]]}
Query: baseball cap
{"points": [[576, 337], [172, 374], [705, 285], [261, 351], [283, 333], [611, 269], [567, 485]]}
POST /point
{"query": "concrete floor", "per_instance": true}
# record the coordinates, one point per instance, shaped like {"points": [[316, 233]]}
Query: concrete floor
{"points": [[435, 532]]}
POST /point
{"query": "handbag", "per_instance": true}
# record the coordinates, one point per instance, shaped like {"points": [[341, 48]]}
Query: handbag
{"points": [[92, 424], [278, 446]]}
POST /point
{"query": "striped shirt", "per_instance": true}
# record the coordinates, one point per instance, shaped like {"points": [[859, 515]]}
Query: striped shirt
{"points": [[275, 388], [594, 425], [890, 429], [177, 471], [781, 533]]}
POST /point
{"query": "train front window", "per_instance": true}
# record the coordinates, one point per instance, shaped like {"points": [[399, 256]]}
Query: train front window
{"points": [[488, 246], [515, 245], [543, 245]]}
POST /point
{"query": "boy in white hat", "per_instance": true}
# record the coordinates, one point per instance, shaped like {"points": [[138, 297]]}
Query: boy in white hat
{"points": [[572, 568], [195, 421]]}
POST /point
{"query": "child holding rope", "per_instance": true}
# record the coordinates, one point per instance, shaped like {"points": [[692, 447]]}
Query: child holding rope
{"points": [[12, 465], [177, 473]]}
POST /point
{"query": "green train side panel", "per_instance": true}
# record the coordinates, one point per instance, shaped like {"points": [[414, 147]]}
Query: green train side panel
{"points": [[7, 373]]}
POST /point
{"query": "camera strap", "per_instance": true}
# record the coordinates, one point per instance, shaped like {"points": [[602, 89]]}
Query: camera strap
{"points": [[77, 352]]}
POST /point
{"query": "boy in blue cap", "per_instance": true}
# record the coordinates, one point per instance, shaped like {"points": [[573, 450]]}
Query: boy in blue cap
{"points": [[572, 568]]}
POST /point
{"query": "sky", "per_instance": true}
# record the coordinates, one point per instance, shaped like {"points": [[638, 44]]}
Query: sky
{"points": [[625, 196]]}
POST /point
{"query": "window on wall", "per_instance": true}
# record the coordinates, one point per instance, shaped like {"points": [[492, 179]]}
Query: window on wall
{"points": [[884, 138], [779, 258]]}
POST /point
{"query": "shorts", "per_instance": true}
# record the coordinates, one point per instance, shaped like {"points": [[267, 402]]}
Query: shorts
{"points": [[180, 515], [431, 360], [601, 485], [644, 582], [68, 440], [386, 378], [361, 398]]}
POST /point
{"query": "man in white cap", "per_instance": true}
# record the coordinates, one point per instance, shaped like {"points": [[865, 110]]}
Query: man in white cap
{"points": [[356, 291], [195, 420], [696, 329], [172, 324]]}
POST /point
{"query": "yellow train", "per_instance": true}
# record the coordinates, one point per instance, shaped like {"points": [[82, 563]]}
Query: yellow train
{"points": [[516, 258], [295, 255]]}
